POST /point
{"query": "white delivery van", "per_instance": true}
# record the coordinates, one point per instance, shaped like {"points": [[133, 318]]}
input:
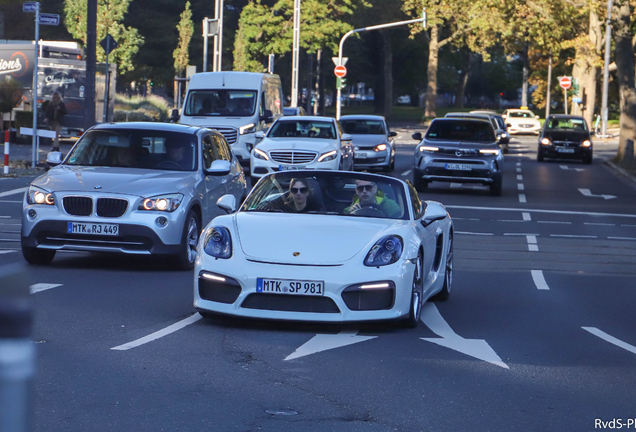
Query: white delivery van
{"points": [[237, 104]]}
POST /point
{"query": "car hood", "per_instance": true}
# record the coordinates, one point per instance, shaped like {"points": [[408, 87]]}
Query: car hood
{"points": [[130, 181], [566, 135], [312, 144], [461, 144], [368, 140], [316, 239]]}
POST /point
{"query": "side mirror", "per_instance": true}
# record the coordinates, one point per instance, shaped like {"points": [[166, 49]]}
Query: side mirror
{"points": [[174, 117], [417, 136], [434, 212], [227, 203], [392, 134], [219, 168], [259, 135], [504, 116], [267, 116], [536, 116], [54, 158], [346, 137]]}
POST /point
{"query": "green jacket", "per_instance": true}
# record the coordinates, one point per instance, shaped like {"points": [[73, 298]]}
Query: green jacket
{"points": [[387, 205]]}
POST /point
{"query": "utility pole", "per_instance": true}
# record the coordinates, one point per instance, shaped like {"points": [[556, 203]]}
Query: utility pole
{"points": [[91, 57], [547, 97], [295, 54], [218, 39], [524, 84], [608, 46], [34, 150]]}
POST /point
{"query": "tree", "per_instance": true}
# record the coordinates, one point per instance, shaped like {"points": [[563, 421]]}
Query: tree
{"points": [[111, 14], [185, 28]]}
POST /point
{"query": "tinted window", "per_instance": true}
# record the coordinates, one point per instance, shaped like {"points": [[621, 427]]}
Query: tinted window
{"points": [[215, 148], [363, 127], [303, 129], [461, 130], [233, 103], [573, 124], [521, 114]]}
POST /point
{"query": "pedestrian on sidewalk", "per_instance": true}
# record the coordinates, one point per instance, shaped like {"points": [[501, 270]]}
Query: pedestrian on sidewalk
{"points": [[54, 115]]}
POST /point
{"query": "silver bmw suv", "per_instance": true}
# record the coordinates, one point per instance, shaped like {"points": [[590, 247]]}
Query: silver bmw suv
{"points": [[131, 188]]}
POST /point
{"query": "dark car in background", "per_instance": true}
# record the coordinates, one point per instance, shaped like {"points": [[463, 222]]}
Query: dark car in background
{"points": [[500, 132], [374, 142], [294, 111], [505, 136], [567, 137], [458, 150]]}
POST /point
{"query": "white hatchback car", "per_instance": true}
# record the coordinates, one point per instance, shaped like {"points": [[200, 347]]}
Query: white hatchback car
{"points": [[519, 121], [302, 142]]}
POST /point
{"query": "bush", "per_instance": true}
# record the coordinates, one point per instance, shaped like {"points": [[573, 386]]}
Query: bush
{"points": [[139, 108]]}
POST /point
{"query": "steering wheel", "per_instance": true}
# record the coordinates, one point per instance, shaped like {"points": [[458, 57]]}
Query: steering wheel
{"points": [[169, 164], [372, 210]]}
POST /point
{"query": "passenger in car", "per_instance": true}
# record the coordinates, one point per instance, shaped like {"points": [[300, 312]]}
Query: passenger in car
{"points": [[302, 198], [125, 157], [368, 195]]}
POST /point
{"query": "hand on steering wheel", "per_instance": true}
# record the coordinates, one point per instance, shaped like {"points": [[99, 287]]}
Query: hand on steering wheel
{"points": [[367, 210]]}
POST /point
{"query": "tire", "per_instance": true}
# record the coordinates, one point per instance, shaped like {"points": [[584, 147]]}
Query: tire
{"points": [[505, 149], [38, 256], [495, 188], [444, 294], [189, 239], [418, 182], [417, 295], [539, 157], [588, 160]]}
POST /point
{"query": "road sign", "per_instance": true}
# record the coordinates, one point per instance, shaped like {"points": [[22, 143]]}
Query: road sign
{"points": [[565, 82], [30, 6], [336, 61], [340, 71], [49, 19], [108, 43]]}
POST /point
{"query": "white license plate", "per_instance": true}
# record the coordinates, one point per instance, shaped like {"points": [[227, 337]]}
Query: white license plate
{"points": [[361, 156], [92, 228], [291, 167], [290, 286], [565, 150], [460, 167]]}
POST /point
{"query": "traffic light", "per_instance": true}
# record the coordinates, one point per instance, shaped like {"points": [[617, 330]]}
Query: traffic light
{"points": [[341, 83]]}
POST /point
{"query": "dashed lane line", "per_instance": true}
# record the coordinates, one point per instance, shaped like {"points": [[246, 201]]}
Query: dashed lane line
{"points": [[526, 216], [13, 192], [522, 198], [539, 280], [159, 334], [532, 243], [573, 236], [405, 173], [36, 288], [611, 339], [473, 233], [570, 212]]}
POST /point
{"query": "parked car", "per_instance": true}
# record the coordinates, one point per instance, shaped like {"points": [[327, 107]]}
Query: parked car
{"points": [[131, 188], [565, 136], [374, 143], [294, 111], [500, 132], [378, 260], [302, 142], [505, 136], [459, 151], [519, 121]]}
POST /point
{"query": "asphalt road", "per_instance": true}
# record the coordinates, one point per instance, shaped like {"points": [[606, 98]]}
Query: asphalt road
{"points": [[538, 334]]}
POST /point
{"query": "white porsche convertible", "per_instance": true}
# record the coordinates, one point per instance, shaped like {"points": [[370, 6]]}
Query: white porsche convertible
{"points": [[325, 246]]}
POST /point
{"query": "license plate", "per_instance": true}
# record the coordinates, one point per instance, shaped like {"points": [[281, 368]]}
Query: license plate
{"points": [[361, 156], [90, 228], [565, 150], [291, 167], [290, 286], [460, 167]]}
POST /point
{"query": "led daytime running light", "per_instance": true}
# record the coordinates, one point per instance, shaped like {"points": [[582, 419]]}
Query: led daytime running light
{"points": [[429, 149], [260, 154], [328, 156]]}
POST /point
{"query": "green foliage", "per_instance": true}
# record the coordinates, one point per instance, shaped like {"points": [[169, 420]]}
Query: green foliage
{"points": [[139, 108], [110, 14], [186, 28]]}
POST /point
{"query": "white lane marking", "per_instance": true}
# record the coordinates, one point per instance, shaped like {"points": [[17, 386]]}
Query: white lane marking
{"points": [[12, 192], [159, 334], [470, 219], [518, 169], [522, 198], [324, 342], [36, 288], [542, 211], [572, 236], [598, 224], [519, 177], [555, 222], [407, 172], [588, 193], [532, 243], [13, 202], [477, 348], [7, 251], [565, 167], [521, 234], [621, 238], [518, 163], [627, 225], [611, 339], [9, 240], [539, 280], [510, 220], [520, 186], [526, 216], [473, 233], [5, 217]]}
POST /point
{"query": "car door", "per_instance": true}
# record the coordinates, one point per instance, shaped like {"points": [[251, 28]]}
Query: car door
{"points": [[214, 186], [427, 236], [236, 183]]}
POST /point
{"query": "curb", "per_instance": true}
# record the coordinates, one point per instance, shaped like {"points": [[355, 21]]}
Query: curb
{"points": [[621, 171]]}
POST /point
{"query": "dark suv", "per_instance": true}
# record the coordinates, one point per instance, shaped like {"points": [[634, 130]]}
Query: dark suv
{"points": [[500, 129], [458, 150], [565, 136]]}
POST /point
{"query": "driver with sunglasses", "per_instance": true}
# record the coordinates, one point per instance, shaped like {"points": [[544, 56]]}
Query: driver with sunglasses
{"points": [[368, 195]]}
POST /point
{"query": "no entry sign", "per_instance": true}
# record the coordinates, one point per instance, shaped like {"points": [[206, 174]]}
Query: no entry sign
{"points": [[565, 82], [340, 71]]}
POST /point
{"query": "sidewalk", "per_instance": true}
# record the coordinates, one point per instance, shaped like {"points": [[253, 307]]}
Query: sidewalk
{"points": [[20, 157]]}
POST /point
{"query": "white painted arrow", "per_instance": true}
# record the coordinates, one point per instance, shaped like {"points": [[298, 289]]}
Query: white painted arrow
{"points": [[588, 193], [565, 167], [477, 348], [324, 342], [36, 288]]}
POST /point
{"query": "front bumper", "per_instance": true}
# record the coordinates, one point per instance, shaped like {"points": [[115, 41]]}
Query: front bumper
{"points": [[365, 159], [259, 167], [514, 130], [578, 152], [436, 168]]}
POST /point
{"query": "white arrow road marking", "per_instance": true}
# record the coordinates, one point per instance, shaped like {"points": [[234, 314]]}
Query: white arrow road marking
{"points": [[42, 287], [159, 334], [588, 193], [539, 280], [565, 167], [610, 339], [12, 192], [477, 348], [405, 173], [324, 342]]}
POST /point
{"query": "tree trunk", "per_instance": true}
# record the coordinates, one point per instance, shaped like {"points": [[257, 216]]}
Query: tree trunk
{"points": [[625, 71], [388, 73], [431, 88], [463, 79], [590, 73]]}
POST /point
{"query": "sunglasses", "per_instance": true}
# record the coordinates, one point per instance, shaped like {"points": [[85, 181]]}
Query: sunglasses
{"points": [[367, 188], [299, 190]]}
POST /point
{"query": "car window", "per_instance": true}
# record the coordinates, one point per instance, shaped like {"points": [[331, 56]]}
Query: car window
{"points": [[571, 124], [302, 129], [416, 203], [214, 148], [460, 130], [363, 127], [232, 103], [335, 193], [521, 114]]}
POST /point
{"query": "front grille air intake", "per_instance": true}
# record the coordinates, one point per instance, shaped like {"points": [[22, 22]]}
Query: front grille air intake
{"points": [[292, 156], [78, 205], [230, 134], [111, 207]]}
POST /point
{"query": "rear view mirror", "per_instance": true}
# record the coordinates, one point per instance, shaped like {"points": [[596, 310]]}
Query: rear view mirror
{"points": [[227, 203], [346, 137], [259, 135], [392, 134], [219, 168], [267, 116], [417, 136], [54, 158], [536, 116]]}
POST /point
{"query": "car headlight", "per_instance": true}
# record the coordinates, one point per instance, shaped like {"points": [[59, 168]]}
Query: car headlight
{"points": [[491, 152], [380, 147], [331, 155], [385, 251], [545, 141], [218, 243], [36, 195], [250, 128], [428, 149], [167, 203], [260, 154], [504, 135], [586, 143]]}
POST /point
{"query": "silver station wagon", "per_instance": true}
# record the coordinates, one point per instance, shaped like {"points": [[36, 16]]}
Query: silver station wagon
{"points": [[131, 188]]}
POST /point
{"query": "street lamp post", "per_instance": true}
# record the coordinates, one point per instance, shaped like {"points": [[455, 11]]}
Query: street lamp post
{"points": [[295, 54]]}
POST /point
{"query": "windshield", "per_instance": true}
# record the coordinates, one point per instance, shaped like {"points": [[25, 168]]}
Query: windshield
{"points": [[227, 103], [302, 129], [461, 130], [329, 193], [569, 124], [521, 114], [363, 127], [134, 148]]}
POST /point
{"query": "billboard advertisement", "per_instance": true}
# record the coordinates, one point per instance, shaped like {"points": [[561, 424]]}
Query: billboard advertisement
{"points": [[16, 61]]}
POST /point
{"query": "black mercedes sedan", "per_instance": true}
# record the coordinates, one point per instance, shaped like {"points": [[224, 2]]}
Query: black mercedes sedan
{"points": [[565, 136]]}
